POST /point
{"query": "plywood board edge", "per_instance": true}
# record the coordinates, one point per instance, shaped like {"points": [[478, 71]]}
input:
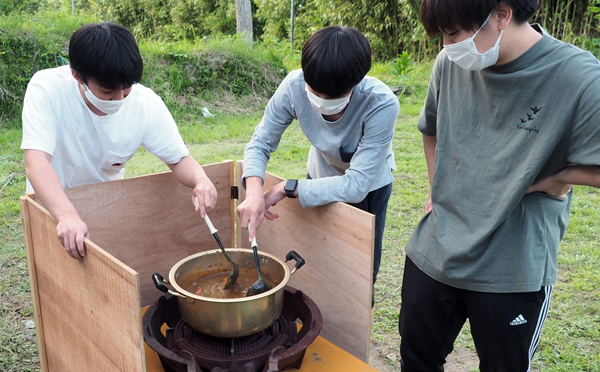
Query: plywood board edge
{"points": [[138, 298], [232, 205], [371, 290], [239, 167], [24, 201]]}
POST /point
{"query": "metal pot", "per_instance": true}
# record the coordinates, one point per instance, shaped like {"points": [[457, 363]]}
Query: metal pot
{"points": [[230, 317]]}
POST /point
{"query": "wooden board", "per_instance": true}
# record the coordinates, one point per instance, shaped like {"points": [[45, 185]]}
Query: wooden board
{"points": [[336, 240], [27, 236], [149, 222], [83, 309], [146, 224]]}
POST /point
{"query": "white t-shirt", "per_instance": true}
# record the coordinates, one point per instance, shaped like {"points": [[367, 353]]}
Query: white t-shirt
{"points": [[87, 148]]}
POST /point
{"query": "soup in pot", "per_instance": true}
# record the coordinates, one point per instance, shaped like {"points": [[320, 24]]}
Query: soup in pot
{"points": [[214, 285]]}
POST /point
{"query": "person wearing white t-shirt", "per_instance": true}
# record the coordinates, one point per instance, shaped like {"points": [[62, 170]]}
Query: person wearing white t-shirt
{"points": [[84, 121]]}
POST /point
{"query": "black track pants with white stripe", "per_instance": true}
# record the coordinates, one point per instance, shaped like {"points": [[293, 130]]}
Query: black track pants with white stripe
{"points": [[505, 326]]}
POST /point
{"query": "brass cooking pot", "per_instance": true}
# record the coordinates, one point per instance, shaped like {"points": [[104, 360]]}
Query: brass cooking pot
{"points": [[229, 317]]}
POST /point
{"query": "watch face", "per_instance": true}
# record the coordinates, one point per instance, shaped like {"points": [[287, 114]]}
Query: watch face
{"points": [[290, 187]]}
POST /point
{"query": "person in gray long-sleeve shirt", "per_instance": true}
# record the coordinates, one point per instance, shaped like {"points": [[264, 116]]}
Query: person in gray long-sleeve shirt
{"points": [[348, 118]]}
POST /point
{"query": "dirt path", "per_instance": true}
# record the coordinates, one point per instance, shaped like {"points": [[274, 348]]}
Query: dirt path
{"points": [[460, 360]]}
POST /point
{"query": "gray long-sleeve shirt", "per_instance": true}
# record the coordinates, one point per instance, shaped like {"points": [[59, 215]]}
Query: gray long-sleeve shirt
{"points": [[348, 158]]}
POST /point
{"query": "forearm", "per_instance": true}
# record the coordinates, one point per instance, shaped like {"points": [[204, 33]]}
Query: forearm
{"points": [[580, 175], [429, 144], [71, 230], [46, 184], [321, 191], [254, 186], [188, 172], [256, 156]]}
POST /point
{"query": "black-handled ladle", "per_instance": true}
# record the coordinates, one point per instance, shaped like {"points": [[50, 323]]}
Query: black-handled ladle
{"points": [[260, 285]]}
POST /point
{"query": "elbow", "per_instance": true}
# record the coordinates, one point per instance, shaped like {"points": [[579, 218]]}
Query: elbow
{"points": [[357, 196], [356, 199]]}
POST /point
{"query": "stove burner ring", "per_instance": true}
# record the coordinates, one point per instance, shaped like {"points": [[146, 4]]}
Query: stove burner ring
{"points": [[281, 346], [217, 349]]}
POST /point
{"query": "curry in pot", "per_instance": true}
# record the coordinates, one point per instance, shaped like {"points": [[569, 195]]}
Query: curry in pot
{"points": [[213, 285]]}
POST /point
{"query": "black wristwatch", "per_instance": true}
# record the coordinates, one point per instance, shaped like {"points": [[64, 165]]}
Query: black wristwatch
{"points": [[290, 187]]}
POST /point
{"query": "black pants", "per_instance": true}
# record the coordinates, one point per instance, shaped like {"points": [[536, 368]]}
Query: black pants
{"points": [[505, 326]]}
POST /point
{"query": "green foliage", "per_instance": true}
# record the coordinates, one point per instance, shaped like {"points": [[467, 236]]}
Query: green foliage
{"points": [[178, 71], [171, 19], [391, 26], [594, 9], [402, 68], [309, 16], [185, 71], [18, 6], [29, 44], [573, 21], [403, 64]]}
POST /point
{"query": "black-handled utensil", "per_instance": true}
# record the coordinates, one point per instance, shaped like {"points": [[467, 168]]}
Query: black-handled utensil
{"points": [[235, 271], [260, 285]]}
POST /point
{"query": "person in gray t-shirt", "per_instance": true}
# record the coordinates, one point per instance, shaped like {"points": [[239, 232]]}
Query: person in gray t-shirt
{"points": [[348, 118], [511, 122]]}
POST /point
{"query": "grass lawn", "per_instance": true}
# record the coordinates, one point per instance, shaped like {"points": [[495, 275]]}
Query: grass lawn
{"points": [[570, 337]]}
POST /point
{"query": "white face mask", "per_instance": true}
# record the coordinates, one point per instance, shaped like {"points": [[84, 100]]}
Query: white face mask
{"points": [[466, 55], [108, 107], [327, 106]]}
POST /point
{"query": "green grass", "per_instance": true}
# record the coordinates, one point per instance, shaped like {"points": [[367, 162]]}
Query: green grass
{"points": [[570, 337], [18, 350]]}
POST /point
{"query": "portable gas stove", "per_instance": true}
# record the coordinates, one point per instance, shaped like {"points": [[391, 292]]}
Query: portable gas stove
{"points": [[179, 348]]}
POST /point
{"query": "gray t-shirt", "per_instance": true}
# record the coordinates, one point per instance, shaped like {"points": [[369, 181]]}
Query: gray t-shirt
{"points": [[348, 158], [498, 131]]}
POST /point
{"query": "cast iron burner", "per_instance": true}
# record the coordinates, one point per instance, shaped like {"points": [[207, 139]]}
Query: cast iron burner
{"points": [[274, 349]]}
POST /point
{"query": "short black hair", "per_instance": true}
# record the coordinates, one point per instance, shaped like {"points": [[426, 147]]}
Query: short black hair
{"points": [[106, 53], [335, 59], [439, 16]]}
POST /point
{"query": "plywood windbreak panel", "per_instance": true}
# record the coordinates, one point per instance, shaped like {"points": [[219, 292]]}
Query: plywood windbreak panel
{"points": [[336, 240], [82, 308], [149, 222]]}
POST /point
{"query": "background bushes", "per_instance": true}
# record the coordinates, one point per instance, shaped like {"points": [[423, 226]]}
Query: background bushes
{"points": [[167, 19], [184, 34], [392, 26], [27, 45], [183, 73], [192, 73]]}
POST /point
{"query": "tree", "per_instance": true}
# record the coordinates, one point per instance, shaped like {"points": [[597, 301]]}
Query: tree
{"points": [[243, 17]]}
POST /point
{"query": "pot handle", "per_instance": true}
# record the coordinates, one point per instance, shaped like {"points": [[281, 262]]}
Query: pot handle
{"points": [[292, 255], [159, 283]]}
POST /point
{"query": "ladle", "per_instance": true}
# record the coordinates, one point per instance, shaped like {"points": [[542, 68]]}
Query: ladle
{"points": [[235, 271], [260, 285]]}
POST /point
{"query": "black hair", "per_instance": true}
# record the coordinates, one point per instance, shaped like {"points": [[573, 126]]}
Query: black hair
{"points": [[439, 16], [107, 54], [335, 59]]}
